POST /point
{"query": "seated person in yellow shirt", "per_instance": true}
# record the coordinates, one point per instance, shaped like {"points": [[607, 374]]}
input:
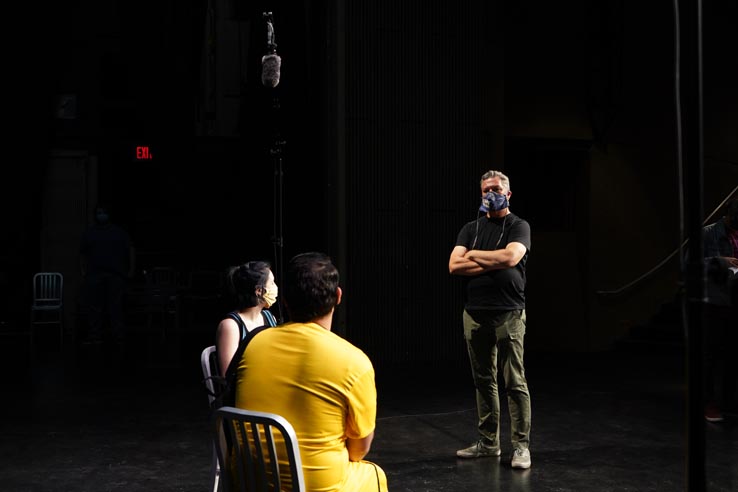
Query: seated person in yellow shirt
{"points": [[322, 384]]}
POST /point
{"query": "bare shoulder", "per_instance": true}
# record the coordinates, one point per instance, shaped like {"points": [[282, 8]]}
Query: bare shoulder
{"points": [[227, 326]]}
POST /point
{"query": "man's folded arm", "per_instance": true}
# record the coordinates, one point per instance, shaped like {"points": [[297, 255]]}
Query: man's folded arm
{"points": [[497, 259], [459, 264]]}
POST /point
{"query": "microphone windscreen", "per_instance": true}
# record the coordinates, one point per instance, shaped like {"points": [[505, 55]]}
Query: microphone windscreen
{"points": [[270, 67]]}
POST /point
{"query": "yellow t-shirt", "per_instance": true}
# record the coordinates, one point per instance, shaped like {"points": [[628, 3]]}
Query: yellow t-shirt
{"points": [[324, 386]]}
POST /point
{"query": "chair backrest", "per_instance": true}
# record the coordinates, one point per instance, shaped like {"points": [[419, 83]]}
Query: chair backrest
{"points": [[162, 276], [251, 454], [47, 290], [209, 363]]}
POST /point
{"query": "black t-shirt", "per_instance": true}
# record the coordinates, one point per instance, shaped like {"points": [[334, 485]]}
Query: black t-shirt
{"points": [[106, 249], [497, 289]]}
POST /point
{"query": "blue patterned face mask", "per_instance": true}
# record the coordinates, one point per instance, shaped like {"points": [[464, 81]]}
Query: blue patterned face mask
{"points": [[493, 201]]}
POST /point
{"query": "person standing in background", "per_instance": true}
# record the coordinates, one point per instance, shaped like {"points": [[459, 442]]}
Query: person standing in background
{"points": [[107, 261], [720, 314], [492, 252]]}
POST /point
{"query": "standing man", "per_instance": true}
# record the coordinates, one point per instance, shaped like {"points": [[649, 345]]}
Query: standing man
{"points": [[322, 384], [492, 252], [107, 260], [720, 311]]}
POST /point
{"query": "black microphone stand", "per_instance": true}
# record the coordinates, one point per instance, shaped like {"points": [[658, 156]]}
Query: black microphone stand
{"points": [[691, 150], [276, 152]]}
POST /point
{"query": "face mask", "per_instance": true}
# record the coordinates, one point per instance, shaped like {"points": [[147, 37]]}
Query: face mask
{"points": [[102, 218], [493, 201], [269, 296]]}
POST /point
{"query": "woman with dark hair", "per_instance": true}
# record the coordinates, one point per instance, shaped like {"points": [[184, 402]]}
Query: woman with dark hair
{"points": [[253, 288]]}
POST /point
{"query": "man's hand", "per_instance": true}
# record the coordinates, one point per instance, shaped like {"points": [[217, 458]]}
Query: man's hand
{"points": [[358, 448], [459, 264]]}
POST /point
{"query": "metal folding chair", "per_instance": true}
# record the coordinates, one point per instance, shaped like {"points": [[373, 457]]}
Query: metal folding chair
{"points": [[47, 306], [209, 363], [252, 455]]}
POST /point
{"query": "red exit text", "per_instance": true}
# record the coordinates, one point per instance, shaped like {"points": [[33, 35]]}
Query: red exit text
{"points": [[143, 153]]}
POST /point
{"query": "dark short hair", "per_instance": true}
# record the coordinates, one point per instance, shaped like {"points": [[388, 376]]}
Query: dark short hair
{"points": [[102, 205], [243, 280], [310, 287]]}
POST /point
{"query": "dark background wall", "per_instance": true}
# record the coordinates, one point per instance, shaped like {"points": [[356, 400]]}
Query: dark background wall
{"points": [[424, 116], [389, 114]]}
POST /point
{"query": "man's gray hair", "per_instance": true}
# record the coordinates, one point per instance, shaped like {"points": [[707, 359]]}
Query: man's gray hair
{"points": [[496, 174]]}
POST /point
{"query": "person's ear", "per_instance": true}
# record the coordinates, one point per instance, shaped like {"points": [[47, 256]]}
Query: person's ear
{"points": [[339, 293]]}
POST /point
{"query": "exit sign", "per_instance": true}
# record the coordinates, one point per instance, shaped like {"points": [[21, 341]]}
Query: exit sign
{"points": [[143, 153]]}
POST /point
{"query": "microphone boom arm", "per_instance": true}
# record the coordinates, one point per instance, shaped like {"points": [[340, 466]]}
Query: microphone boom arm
{"points": [[271, 43]]}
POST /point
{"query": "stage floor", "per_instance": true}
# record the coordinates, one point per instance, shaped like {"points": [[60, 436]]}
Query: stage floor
{"points": [[611, 421]]}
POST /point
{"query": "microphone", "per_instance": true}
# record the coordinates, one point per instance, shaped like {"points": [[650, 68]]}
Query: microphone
{"points": [[271, 63], [270, 66]]}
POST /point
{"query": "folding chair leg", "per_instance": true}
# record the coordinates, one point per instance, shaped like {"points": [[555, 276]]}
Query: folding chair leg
{"points": [[215, 470]]}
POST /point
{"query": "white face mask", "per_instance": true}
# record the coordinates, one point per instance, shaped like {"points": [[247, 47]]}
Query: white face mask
{"points": [[269, 296]]}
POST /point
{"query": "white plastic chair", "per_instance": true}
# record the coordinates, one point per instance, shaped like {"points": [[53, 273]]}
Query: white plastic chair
{"points": [[47, 305], [209, 363], [245, 439]]}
